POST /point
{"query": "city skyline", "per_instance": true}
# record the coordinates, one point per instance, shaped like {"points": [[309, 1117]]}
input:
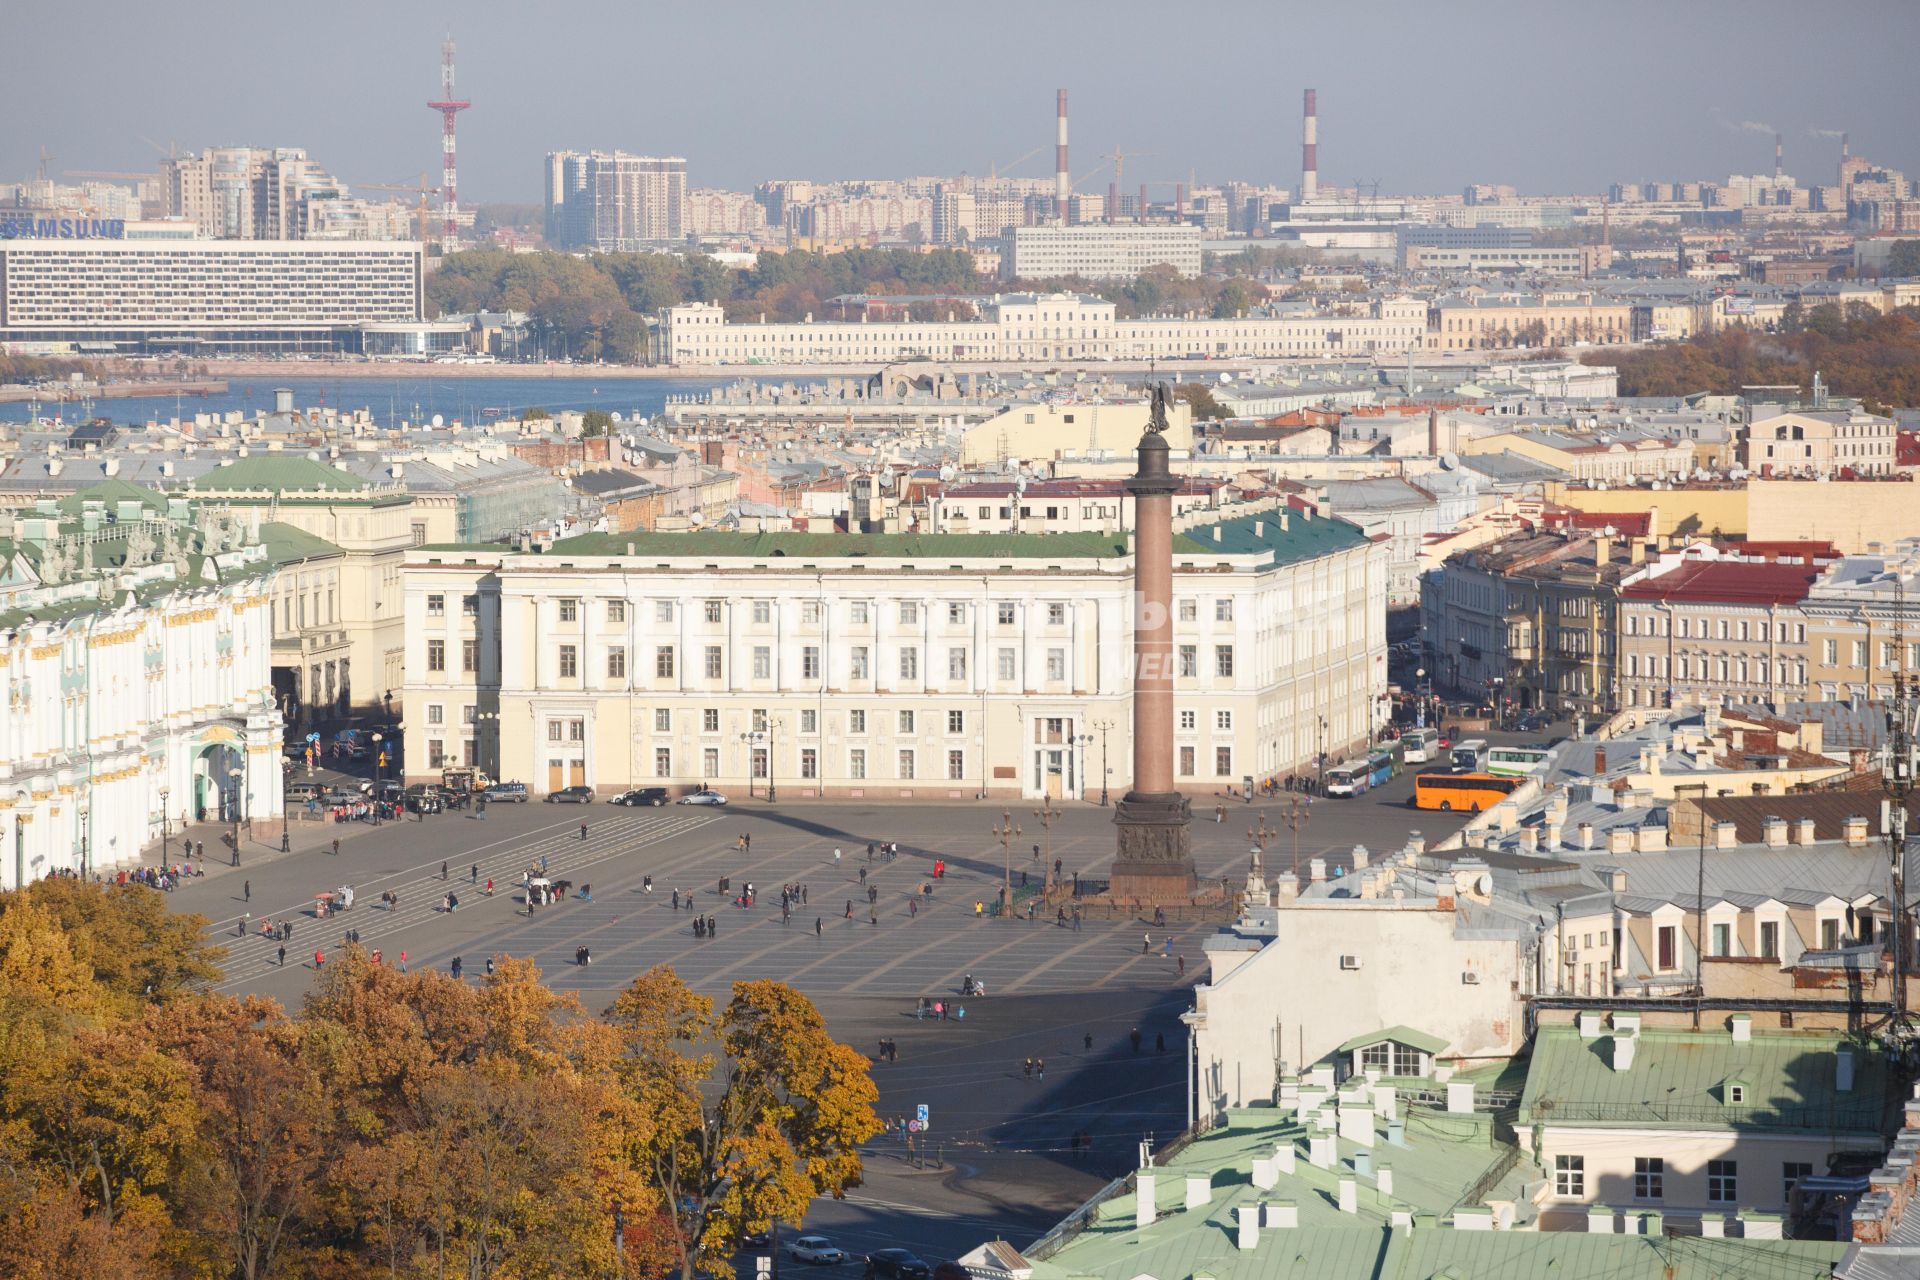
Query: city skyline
{"points": [[1421, 109]]}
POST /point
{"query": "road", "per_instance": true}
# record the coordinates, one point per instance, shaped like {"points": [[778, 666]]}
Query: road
{"points": [[1006, 1162]]}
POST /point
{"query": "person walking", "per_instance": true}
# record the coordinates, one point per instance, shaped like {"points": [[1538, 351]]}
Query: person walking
{"points": [[1146, 943], [836, 855], [849, 908], [473, 874], [1040, 1068], [246, 891], [746, 842], [873, 918], [1029, 1068], [283, 957], [319, 958], [336, 846], [455, 968], [817, 926], [1087, 1040], [583, 840], [1183, 964], [1134, 1036], [676, 899], [489, 966], [403, 960], [913, 906], [711, 923], [1166, 946]]}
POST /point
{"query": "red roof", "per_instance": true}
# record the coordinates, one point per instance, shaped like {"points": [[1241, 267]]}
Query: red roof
{"points": [[1629, 524], [1727, 582], [1783, 550], [1906, 449]]}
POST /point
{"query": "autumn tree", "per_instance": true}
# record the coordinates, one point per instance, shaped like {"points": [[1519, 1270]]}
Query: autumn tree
{"points": [[753, 1112]]}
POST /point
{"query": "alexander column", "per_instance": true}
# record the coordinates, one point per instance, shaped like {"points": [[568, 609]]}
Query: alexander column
{"points": [[1155, 856]]}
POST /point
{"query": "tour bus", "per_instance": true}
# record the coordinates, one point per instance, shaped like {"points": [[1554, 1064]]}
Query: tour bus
{"points": [[1417, 745], [1517, 762], [1349, 779], [1469, 792], [1470, 756], [1381, 760]]}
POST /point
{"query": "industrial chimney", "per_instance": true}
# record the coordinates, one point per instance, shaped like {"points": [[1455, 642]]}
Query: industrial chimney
{"points": [[1309, 149], [1062, 181], [1779, 157]]}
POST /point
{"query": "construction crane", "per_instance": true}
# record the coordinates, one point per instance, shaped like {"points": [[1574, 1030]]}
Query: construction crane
{"points": [[421, 187], [1116, 188], [994, 170]]}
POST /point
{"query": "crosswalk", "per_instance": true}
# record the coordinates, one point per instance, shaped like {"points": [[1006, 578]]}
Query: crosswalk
{"points": [[419, 890]]}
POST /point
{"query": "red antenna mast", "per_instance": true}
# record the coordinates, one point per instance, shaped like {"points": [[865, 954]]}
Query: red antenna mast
{"points": [[448, 107]]}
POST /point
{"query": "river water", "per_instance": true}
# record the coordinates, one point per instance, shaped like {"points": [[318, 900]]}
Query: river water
{"points": [[393, 400]]}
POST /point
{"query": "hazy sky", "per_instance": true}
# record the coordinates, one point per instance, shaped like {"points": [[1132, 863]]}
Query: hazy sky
{"points": [[1426, 96]]}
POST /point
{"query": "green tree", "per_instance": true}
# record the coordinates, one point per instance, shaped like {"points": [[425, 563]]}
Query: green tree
{"points": [[534, 413], [1199, 397], [596, 422]]}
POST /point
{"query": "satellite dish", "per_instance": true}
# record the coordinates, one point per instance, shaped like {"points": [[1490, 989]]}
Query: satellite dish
{"points": [[1011, 466], [697, 517], [1448, 462], [616, 416], [1226, 378], [947, 473], [640, 421], [1483, 885], [439, 421]]}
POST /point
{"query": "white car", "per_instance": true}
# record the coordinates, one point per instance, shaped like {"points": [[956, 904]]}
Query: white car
{"points": [[704, 797], [818, 1250]]}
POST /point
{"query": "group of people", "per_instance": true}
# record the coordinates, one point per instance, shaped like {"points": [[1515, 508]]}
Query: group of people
{"points": [[704, 927], [157, 877]]}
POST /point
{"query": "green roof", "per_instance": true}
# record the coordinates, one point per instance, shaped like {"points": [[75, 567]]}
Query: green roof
{"points": [[1576, 1255], [1676, 1075], [891, 546], [282, 473], [285, 543], [1399, 1035], [1302, 539], [112, 491]]}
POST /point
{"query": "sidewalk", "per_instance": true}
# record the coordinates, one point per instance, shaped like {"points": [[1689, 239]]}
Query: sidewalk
{"points": [[261, 848]]}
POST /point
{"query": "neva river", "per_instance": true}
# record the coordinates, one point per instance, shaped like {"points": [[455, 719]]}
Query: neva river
{"points": [[394, 400]]}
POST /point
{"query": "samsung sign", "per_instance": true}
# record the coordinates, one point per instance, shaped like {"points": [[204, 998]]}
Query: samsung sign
{"points": [[63, 228]]}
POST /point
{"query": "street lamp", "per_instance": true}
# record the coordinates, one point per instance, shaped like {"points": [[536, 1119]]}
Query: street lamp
{"points": [[233, 800], [84, 831], [1323, 754], [1006, 833], [753, 738], [1106, 774], [1423, 692], [379, 769], [1081, 742], [1046, 813], [166, 823]]}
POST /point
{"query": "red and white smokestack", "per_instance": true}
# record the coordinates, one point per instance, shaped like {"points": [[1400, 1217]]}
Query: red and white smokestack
{"points": [[1845, 149], [1779, 156], [1062, 181], [1310, 149]]}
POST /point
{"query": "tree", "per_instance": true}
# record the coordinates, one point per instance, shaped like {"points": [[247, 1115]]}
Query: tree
{"points": [[138, 950], [1199, 397], [1903, 260], [751, 1113], [535, 414], [596, 422]]}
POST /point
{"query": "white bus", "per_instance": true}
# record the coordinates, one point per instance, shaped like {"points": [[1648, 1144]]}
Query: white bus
{"points": [[1517, 762], [1417, 745], [1349, 779], [1469, 756]]}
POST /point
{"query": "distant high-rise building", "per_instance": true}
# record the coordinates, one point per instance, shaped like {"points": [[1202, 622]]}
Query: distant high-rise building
{"points": [[613, 201], [267, 193]]}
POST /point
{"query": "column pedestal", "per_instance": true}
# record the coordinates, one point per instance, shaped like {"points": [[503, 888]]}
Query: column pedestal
{"points": [[1154, 860]]}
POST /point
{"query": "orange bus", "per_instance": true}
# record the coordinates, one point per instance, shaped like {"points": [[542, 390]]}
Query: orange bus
{"points": [[1471, 792]]}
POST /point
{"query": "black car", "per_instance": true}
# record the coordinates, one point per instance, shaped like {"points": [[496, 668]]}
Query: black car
{"points": [[571, 795], [654, 796], [896, 1264]]}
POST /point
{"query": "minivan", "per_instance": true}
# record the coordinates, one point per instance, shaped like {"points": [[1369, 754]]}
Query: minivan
{"points": [[301, 792]]}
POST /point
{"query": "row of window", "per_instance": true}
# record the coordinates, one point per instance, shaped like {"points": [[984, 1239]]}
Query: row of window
{"points": [[1685, 667], [859, 662], [1006, 613], [1728, 628], [905, 764], [1650, 1178]]}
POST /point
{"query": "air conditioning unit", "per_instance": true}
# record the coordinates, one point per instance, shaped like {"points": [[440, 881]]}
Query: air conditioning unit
{"points": [[1349, 962], [1470, 978]]}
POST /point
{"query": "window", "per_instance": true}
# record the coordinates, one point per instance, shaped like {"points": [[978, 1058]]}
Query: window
{"points": [[469, 714], [1770, 939], [906, 764], [710, 720], [663, 762], [857, 763], [1859, 653], [713, 661], [1189, 610], [663, 662], [436, 606], [1189, 667], [810, 613], [617, 663], [956, 722], [910, 613], [1570, 1175], [809, 762], [710, 762], [1223, 610], [857, 613], [905, 722], [1791, 1171], [1189, 721], [956, 664], [856, 722], [1223, 721], [1056, 664], [437, 714], [470, 606], [759, 719], [763, 611], [1667, 944], [956, 765], [469, 655], [556, 730], [1736, 1094], [1186, 762], [909, 663], [436, 655], [1223, 661], [436, 753], [1649, 1178], [569, 611], [857, 662], [1721, 940], [576, 731], [810, 662], [617, 611], [711, 609], [1004, 612], [1223, 761], [1723, 1181], [662, 611], [662, 720], [1830, 652], [956, 613], [1056, 615], [1005, 664], [1829, 934]]}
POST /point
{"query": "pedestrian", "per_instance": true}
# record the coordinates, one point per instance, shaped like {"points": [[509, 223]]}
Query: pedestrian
{"points": [[1146, 943], [836, 855], [873, 893], [1166, 945], [246, 891], [746, 842], [455, 967], [240, 926], [283, 957], [873, 918], [489, 966], [473, 874], [863, 875], [1029, 1068], [443, 871], [913, 906], [676, 899], [699, 926], [489, 886], [1088, 1040], [1134, 1035], [319, 958], [803, 895], [403, 960], [711, 922], [336, 846], [583, 840], [1040, 1068], [816, 928], [1183, 964], [849, 908]]}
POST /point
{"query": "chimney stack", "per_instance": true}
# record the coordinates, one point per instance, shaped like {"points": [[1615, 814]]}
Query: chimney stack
{"points": [[1310, 149], [1062, 180], [1779, 157]]}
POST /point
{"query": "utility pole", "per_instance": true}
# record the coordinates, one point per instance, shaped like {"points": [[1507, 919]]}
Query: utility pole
{"points": [[1006, 833]]}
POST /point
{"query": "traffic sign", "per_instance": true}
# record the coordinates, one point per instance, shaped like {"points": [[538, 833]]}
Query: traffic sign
{"points": [[921, 1114], [313, 737], [915, 1126]]}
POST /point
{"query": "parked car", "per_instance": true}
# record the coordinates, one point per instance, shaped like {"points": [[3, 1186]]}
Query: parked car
{"points": [[704, 796], [1531, 723], [654, 796], [757, 1239], [425, 804], [571, 795], [818, 1250], [896, 1264], [301, 792], [507, 793]]}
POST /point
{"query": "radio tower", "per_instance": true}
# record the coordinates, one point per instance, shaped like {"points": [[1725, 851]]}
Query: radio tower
{"points": [[448, 107]]}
